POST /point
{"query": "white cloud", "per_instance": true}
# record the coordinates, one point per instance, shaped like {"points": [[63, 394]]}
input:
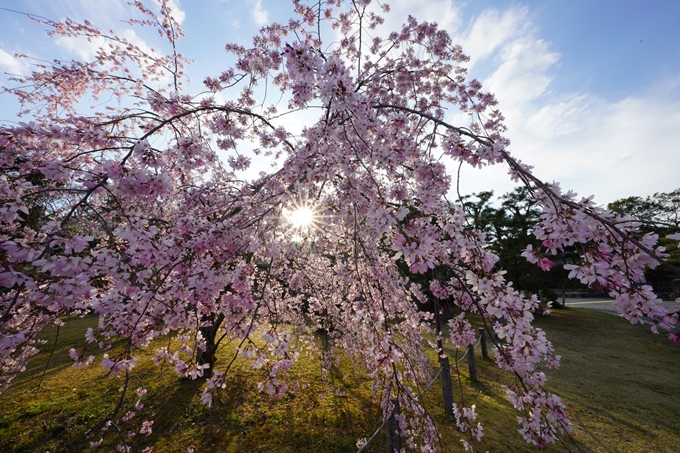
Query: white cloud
{"points": [[12, 65], [86, 50], [444, 12], [103, 13], [135, 39], [491, 29], [259, 14], [79, 46], [561, 118], [523, 74], [176, 11], [611, 148], [81, 49]]}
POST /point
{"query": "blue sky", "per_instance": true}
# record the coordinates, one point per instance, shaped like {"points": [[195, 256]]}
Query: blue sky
{"points": [[590, 89]]}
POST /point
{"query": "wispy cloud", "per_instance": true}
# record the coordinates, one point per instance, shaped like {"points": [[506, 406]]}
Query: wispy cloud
{"points": [[560, 118], [259, 14], [523, 74], [103, 13], [612, 148], [12, 65], [492, 29], [177, 13], [86, 50], [444, 12], [80, 47]]}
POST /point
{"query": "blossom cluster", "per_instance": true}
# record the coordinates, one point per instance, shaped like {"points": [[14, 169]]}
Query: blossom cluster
{"points": [[130, 213]]}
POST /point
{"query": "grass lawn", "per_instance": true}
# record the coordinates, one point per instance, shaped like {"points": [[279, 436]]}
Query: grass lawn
{"points": [[621, 384]]}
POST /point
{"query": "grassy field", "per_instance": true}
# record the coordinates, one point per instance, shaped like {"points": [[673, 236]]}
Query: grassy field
{"points": [[621, 384]]}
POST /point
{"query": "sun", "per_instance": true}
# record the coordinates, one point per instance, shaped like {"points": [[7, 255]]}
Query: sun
{"points": [[302, 214], [302, 217]]}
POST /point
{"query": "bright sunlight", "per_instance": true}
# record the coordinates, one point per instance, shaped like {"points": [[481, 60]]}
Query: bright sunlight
{"points": [[301, 217], [303, 220]]}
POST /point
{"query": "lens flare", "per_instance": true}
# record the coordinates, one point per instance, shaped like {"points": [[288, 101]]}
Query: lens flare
{"points": [[302, 217]]}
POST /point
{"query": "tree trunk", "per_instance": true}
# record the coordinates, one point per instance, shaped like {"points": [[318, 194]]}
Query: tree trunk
{"points": [[209, 334], [393, 436]]}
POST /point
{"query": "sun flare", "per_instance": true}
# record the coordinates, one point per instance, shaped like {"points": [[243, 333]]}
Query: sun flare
{"points": [[302, 217]]}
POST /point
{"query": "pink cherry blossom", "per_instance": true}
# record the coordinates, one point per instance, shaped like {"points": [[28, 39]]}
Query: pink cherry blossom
{"points": [[146, 226]]}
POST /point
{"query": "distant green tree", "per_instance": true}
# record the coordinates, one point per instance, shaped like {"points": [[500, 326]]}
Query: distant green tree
{"points": [[480, 212], [509, 231], [658, 214]]}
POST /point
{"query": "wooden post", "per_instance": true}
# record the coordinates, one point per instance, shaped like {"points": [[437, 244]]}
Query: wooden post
{"points": [[482, 341], [447, 389], [471, 363], [393, 437]]}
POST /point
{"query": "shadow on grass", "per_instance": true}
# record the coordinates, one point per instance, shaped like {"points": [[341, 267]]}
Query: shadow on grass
{"points": [[617, 380], [70, 402], [243, 419]]}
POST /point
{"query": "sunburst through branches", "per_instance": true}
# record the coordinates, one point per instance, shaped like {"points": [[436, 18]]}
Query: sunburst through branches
{"points": [[303, 217]]}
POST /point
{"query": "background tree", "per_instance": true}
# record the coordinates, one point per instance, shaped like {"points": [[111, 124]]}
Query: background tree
{"points": [[660, 212], [161, 236], [657, 214], [509, 230]]}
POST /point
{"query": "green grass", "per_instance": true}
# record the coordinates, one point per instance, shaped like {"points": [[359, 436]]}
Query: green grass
{"points": [[620, 383]]}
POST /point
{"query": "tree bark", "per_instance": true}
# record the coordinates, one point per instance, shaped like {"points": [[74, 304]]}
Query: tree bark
{"points": [[209, 333]]}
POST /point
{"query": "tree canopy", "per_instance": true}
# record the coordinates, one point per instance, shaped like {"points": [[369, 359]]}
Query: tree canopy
{"points": [[657, 214], [138, 211], [509, 230]]}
